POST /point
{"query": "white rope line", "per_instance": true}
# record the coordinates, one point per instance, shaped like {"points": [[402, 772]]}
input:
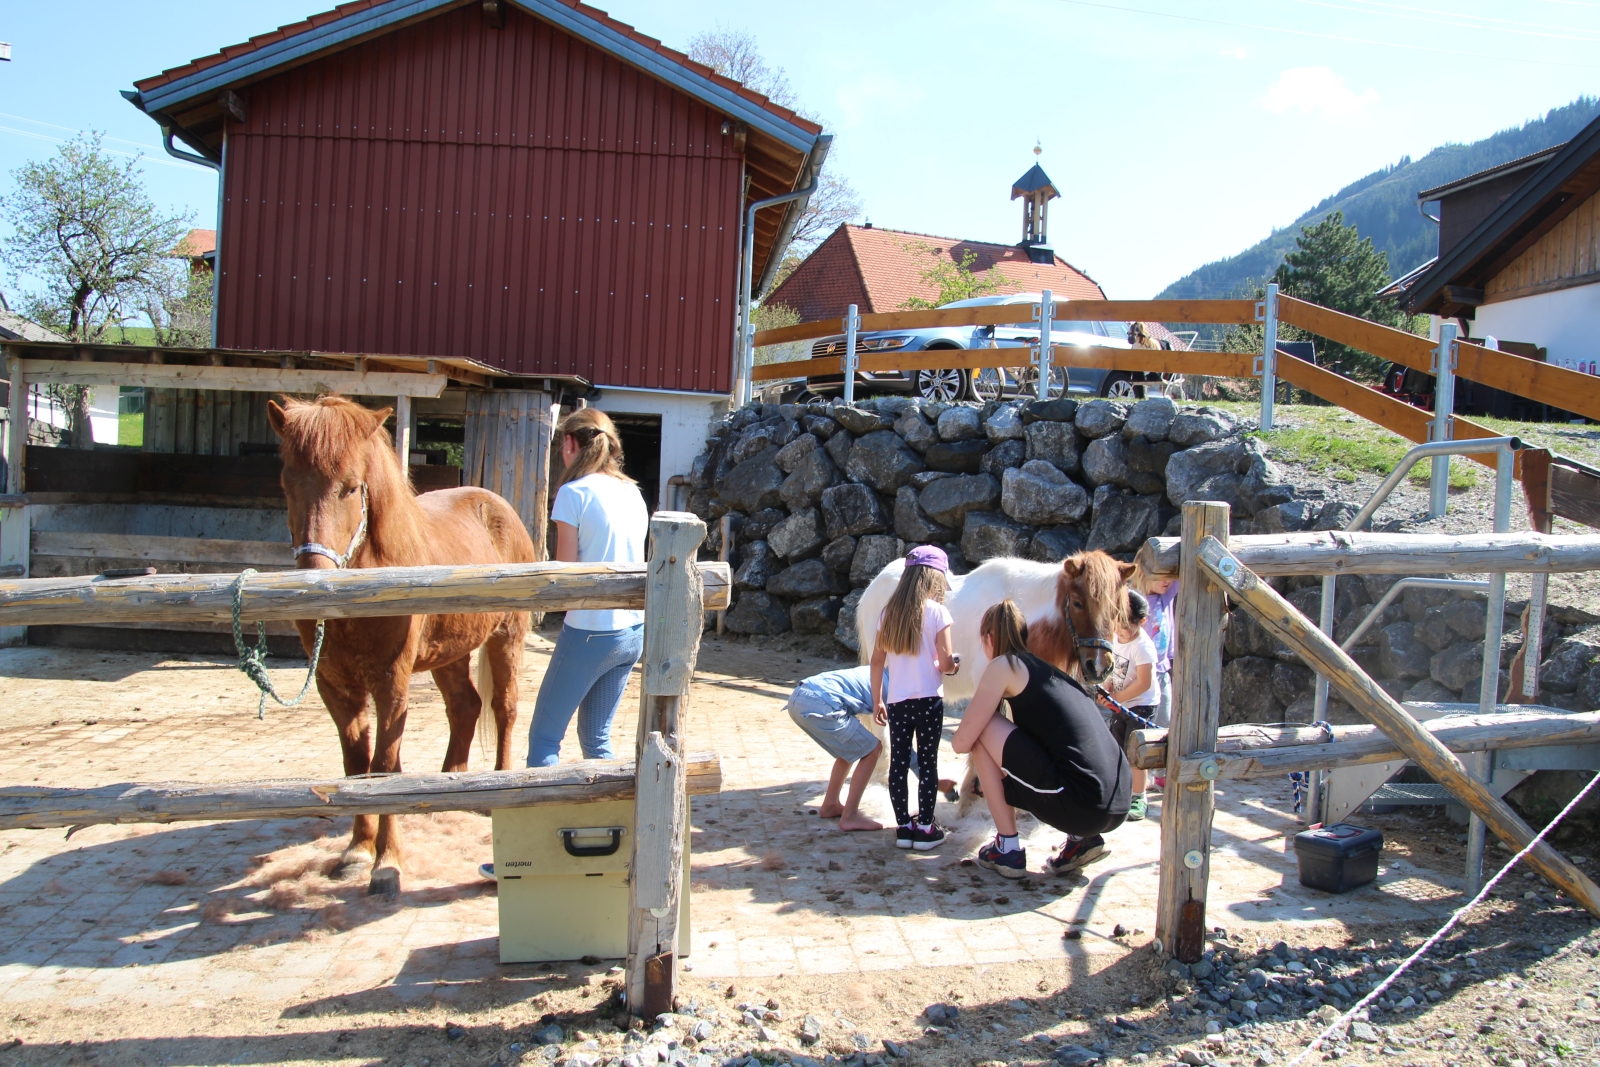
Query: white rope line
{"points": [[1345, 1019]]}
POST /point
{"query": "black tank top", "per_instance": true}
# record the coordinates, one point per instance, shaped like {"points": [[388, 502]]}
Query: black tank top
{"points": [[1066, 722]]}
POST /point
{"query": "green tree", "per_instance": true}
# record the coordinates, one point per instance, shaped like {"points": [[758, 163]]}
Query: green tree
{"points": [[85, 227], [1334, 266], [953, 278]]}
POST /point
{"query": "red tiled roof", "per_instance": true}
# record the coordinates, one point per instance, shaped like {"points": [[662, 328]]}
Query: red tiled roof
{"points": [[357, 6], [197, 243], [884, 268]]}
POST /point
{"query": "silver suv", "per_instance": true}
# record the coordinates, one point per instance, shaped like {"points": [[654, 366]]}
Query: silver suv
{"points": [[988, 383]]}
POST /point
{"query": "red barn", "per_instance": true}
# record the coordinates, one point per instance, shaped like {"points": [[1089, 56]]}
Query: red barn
{"points": [[527, 183]]}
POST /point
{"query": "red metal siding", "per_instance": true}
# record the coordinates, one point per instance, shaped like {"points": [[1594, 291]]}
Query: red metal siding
{"points": [[514, 196]]}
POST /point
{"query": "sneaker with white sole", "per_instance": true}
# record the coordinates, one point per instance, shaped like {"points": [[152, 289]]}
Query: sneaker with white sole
{"points": [[903, 836], [1137, 807], [925, 838], [486, 870], [1013, 864], [1078, 853]]}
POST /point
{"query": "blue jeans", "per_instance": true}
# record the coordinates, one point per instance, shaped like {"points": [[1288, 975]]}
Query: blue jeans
{"points": [[587, 673]]}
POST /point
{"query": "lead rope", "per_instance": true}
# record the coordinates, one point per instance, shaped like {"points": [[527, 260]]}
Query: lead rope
{"points": [[253, 661], [1300, 781]]}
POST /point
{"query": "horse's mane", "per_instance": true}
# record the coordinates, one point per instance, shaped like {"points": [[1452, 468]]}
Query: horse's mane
{"points": [[324, 434], [1051, 638]]}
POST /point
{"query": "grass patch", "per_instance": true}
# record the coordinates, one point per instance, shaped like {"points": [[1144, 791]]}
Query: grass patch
{"points": [[1343, 452], [130, 428]]}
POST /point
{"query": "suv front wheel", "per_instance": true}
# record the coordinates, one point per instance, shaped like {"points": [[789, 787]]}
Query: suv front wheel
{"points": [[945, 386], [1118, 386]]}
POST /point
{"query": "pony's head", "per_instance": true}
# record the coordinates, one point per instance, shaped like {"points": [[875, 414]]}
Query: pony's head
{"points": [[337, 460], [1091, 606]]}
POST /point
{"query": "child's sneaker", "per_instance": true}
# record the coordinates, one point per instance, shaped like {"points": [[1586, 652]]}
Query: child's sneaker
{"points": [[1012, 864], [1137, 807], [1078, 853], [903, 836], [924, 838]]}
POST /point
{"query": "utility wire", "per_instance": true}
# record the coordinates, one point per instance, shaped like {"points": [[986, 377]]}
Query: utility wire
{"points": [[112, 151], [1543, 62], [1463, 14], [1436, 17]]}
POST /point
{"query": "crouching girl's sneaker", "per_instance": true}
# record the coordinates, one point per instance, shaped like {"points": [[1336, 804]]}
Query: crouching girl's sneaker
{"points": [[1013, 864], [1079, 852]]}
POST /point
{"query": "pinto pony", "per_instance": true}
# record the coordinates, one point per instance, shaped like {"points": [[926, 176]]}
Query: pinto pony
{"points": [[351, 505], [1072, 609]]}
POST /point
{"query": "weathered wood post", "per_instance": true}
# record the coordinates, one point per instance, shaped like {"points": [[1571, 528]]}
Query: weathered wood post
{"points": [[14, 520], [1186, 809], [402, 430], [674, 617]]}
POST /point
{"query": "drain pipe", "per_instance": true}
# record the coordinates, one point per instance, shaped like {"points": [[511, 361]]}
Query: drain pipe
{"points": [[747, 351]]}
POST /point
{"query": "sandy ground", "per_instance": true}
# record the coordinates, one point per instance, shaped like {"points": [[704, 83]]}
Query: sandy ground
{"points": [[232, 942]]}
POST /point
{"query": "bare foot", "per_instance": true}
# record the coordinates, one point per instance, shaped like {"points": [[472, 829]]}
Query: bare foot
{"points": [[859, 821], [830, 811]]}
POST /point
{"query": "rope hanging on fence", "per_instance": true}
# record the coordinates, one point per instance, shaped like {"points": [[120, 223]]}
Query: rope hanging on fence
{"points": [[1344, 1020], [253, 661]]}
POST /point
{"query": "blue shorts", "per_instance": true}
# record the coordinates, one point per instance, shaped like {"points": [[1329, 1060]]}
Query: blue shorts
{"points": [[840, 733]]}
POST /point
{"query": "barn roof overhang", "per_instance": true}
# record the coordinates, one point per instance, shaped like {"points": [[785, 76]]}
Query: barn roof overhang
{"points": [[1567, 179]]}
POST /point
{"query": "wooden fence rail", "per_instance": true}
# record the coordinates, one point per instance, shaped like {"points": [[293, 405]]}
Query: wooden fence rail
{"points": [[1099, 357], [341, 594], [579, 782], [1338, 552]]}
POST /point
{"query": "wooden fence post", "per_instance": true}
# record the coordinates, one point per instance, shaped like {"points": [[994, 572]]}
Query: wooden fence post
{"points": [[674, 617], [1196, 710]]}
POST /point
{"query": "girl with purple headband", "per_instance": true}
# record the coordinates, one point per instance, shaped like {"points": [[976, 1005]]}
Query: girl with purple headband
{"points": [[914, 642]]}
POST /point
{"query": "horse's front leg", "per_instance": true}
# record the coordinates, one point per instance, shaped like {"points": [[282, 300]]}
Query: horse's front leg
{"points": [[389, 697], [346, 701]]}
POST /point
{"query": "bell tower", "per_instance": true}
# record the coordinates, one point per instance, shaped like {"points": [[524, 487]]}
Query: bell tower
{"points": [[1036, 191]]}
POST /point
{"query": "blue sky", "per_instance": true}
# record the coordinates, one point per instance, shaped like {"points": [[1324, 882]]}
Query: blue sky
{"points": [[1179, 131]]}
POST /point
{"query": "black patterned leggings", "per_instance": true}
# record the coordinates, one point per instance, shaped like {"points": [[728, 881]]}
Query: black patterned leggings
{"points": [[922, 717]]}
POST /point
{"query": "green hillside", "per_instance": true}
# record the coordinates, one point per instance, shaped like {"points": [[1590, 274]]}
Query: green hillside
{"points": [[1383, 205]]}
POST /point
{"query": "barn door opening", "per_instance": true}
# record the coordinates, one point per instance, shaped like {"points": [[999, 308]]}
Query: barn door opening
{"points": [[641, 452]]}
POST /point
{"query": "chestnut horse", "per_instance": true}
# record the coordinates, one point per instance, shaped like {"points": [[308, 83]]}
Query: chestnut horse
{"points": [[351, 505]]}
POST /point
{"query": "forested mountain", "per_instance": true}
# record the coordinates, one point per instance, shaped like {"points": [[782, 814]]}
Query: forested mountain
{"points": [[1383, 205]]}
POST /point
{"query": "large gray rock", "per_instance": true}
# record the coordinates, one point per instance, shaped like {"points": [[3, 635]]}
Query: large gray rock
{"points": [[922, 479], [1187, 469], [790, 455], [813, 473], [1400, 654], [756, 612], [1458, 665], [839, 447], [959, 424], [1150, 457], [1291, 681], [1150, 419], [915, 525], [1292, 517], [1105, 461], [1123, 521], [1004, 424], [757, 526], [1429, 691], [1059, 410], [1246, 637], [799, 536], [1100, 417], [754, 484], [1434, 631], [857, 420], [1055, 443], [1570, 660], [852, 509], [751, 442], [1040, 495], [882, 461], [1470, 693], [1225, 488], [990, 535], [1055, 544], [820, 426], [958, 457], [1003, 456], [1247, 692], [873, 553], [950, 499], [810, 578], [1190, 428], [839, 553], [917, 431], [1467, 618], [819, 615], [844, 631], [757, 563]]}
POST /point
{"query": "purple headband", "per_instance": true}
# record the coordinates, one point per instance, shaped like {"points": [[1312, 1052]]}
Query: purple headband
{"points": [[928, 556]]}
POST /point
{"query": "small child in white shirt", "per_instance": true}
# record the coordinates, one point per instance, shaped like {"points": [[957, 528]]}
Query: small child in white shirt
{"points": [[1139, 692]]}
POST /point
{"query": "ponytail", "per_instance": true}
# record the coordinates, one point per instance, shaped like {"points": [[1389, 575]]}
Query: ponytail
{"points": [[599, 447], [1006, 629]]}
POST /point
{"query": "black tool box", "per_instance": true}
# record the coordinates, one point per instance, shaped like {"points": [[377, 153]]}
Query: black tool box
{"points": [[1338, 858]]}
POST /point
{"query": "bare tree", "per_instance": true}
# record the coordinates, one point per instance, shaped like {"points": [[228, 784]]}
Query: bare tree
{"points": [[735, 54]]}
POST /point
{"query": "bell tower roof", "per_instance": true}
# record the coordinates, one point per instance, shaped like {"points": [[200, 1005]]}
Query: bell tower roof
{"points": [[1035, 181], [1036, 191]]}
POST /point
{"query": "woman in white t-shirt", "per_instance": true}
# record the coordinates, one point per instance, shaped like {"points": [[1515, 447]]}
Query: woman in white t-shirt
{"points": [[600, 517]]}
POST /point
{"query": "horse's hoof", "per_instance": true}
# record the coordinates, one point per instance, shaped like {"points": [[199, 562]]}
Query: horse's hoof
{"points": [[351, 863], [385, 883]]}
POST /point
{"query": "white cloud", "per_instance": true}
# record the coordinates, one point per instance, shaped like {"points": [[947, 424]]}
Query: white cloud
{"points": [[874, 95], [1236, 52], [1308, 89]]}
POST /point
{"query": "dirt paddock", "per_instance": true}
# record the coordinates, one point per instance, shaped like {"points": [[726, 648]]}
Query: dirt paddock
{"points": [[234, 942]]}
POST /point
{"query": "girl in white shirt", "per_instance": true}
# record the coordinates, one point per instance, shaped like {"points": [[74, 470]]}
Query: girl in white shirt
{"points": [[1139, 692], [914, 643]]}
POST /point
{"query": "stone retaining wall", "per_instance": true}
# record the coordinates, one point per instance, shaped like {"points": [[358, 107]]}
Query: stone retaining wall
{"points": [[824, 495]]}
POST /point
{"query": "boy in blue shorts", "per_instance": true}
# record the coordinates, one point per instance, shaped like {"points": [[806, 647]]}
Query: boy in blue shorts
{"points": [[826, 707]]}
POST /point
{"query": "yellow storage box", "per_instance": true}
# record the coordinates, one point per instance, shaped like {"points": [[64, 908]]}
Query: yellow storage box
{"points": [[563, 881]]}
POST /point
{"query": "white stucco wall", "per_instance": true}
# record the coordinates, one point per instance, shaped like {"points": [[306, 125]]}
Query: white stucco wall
{"points": [[685, 419], [1567, 322]]}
